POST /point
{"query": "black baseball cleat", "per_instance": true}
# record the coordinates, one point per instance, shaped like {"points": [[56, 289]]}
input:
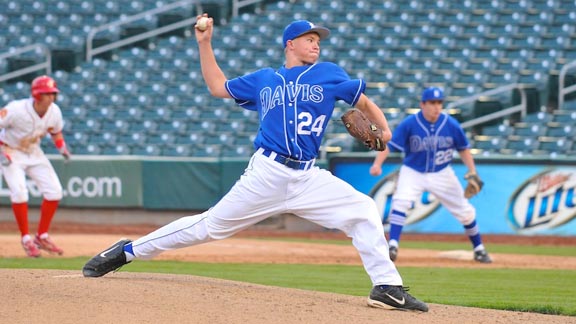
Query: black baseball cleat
{"points": [[108, 260], [482, 256], [395, 297], [393, 252]]}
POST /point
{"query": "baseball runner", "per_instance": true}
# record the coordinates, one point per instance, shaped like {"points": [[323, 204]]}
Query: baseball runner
{"points": [[428, 140], [23, 124], [294, 103]]}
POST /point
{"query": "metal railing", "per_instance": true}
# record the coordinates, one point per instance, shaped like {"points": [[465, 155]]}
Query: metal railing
{"points": [[521, 108], [46, 65], [239, 4], [562, 80], [91, 52]]}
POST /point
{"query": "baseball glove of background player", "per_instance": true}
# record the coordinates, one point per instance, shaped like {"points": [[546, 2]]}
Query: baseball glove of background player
{"points": [[474, 185], [363, 129]]}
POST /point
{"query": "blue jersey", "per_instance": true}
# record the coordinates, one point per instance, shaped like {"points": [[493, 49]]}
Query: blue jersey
{"points": [[294, 105], [428, 147]]}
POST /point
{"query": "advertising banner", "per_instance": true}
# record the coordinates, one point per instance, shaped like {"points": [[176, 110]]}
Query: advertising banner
{"points": [[519, 197], [91, 183]]}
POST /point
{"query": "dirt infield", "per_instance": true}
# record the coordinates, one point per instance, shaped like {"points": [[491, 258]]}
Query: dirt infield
{"points": [[155, 298], [67, 297]]}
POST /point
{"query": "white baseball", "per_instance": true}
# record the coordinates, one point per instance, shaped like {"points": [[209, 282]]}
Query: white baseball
{"points": [[202, 23]]}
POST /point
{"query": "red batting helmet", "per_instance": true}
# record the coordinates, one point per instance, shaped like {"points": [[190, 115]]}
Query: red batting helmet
{"points": [[43, 84]]}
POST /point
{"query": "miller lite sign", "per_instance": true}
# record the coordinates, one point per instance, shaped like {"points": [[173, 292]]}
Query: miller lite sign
{"points": [[544, 201]]}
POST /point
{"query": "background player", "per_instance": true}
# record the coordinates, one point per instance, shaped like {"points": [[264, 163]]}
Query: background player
{"points": [[294, 104], [24, 123], [428, 140]]}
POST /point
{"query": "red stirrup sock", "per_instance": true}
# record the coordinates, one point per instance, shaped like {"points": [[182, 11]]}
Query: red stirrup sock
{"points": [[21, 214], [47, 211]]}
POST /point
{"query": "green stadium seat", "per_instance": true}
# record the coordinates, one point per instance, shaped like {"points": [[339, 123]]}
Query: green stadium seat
{"points": [[213, 150], [540, 118], [147, 150], [521, 143], [177, 150], [555, 144], [556, 129], [564, 116], [526, 129], [497, 130], [488, 143]]}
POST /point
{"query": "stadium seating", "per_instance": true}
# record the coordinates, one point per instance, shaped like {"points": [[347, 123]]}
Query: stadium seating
{"points": [[156, 89]]}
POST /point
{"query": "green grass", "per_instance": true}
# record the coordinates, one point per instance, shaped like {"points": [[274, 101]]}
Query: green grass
{"points": [[542, 291], [529, 290], [447, 246], [495, 248]]}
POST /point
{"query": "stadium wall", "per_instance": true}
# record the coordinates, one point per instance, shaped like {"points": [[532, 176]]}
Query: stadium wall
{"points": [[521, 196]]}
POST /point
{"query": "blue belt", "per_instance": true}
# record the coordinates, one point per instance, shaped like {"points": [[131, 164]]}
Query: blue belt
{"points": [[289, 162]]}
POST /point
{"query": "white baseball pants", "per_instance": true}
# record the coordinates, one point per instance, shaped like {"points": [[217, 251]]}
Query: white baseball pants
{"points": [[268, 188], [37, 166], [444, 185]]}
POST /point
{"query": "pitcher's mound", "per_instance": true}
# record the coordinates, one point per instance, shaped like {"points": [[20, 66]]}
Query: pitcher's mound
{"points": [[56, 296]]}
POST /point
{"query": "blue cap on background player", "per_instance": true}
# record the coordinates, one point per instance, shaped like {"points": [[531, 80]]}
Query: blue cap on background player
{"points": [[432, 93], [300, 27]]}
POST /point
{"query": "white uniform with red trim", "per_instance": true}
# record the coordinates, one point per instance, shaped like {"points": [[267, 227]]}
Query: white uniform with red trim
{"points": [[22, 132]]}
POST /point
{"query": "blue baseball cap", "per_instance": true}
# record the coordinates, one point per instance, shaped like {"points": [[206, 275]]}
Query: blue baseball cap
{"points": [[432, 93], [300, 27]]}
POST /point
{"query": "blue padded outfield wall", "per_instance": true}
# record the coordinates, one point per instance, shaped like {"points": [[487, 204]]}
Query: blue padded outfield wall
{"points": [[520, 196]]}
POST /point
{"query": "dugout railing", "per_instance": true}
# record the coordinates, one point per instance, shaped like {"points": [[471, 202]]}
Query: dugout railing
{"points": [[521, 108], [562, 89], [92, 51], [46, 65]]}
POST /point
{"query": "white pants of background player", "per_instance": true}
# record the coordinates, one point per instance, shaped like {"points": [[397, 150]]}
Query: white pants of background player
{"points": [[38, 168], [444, 185], [268, 188]]}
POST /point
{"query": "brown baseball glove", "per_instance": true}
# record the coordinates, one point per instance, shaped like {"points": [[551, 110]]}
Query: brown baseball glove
{"points": [[474, 185], [360, 127]]}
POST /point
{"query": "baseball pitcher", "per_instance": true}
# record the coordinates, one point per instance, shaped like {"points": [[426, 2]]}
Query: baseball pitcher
{"points": [[294, 104]]}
